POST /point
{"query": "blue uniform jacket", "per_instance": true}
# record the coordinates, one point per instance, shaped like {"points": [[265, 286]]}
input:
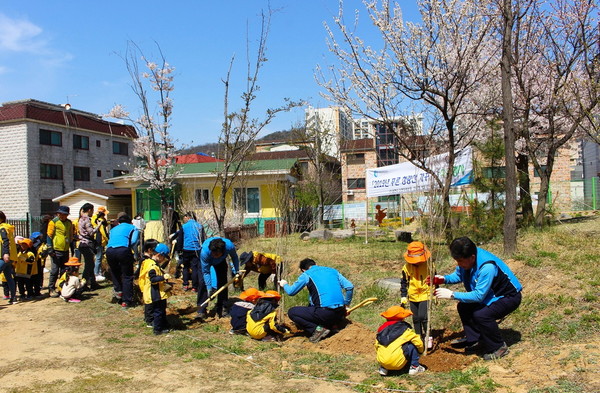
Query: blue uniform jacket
{"points": [[489, 280], [206, 260], [192, 235], [123, 235], [324, 285]]}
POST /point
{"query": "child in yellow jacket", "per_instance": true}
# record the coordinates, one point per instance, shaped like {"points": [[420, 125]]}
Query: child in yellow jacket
{"points": [[25, 269], [397, 344], [414, 288], [261, 321], [154, 286]]}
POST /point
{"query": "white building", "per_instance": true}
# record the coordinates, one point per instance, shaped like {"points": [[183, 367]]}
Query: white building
{"points": [[332, 124], [49, 150]]}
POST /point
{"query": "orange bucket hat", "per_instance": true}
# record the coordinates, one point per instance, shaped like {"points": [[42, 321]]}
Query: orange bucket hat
{"points": [[396, 312], [272, 295], [26, 241], [417, 252], [73, 261], [251, 294]]}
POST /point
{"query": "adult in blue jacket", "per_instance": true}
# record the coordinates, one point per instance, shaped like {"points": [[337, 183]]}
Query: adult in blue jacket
{"points": [[189, 241], [329, 294], [492, 291], [214, 254], [119, 255]]}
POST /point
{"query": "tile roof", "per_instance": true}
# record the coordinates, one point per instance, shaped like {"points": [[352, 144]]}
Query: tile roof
{"points": [[56, 114]]}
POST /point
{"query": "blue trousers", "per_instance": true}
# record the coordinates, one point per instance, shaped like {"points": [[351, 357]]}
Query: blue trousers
{"points": [[308, 318], [120, 260], [191, 266], [7, 269], [221, 279], [159, 313], [479, 320], [411, 354]]}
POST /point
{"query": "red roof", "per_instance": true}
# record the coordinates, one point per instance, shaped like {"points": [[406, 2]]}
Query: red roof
{"points": [[55, 114], [194, 159], [358, 144]]}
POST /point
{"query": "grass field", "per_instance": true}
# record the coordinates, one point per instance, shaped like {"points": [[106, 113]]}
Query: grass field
{"points": [[52, 346]]}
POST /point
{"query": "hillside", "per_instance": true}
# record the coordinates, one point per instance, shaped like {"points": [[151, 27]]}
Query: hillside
{"points": [[213, 148]]}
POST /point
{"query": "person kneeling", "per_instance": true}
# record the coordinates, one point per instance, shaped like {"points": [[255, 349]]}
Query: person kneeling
{"points": [[69, 284], [240, 309], [397, 344], [261, 321]]}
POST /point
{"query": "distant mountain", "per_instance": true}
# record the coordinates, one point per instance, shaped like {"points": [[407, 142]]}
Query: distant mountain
{"points": [[212, 148]]}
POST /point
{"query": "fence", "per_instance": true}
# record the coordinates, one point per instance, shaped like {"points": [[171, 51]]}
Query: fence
{"points": [[25, 227], [241, 232]]}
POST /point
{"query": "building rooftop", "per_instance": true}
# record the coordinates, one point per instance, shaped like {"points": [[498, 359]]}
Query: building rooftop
{"points": [[66, 116]]}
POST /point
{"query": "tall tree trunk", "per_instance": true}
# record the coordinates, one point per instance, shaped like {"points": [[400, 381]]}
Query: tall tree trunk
{"points": [[524, 189], [510, 210]]}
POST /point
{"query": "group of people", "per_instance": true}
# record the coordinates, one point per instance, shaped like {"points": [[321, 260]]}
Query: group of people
{"points": [[491, 290]]}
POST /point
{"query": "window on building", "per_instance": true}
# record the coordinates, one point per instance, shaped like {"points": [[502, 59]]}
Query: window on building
{"points": [[120, 148], [99, 173], [536, 173], [51, 171], [358, 158], [81, 173], [358, 183], [52, 138], [119, 172], [202, 196], [387, 157], [247, 199], [98, 143], [81, 142], [304, 168], [48, 207], [494, 172]]}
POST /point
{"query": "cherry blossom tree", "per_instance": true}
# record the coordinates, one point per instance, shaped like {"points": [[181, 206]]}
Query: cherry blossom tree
{"points": [[439, 66], [154, 148], [556, 82]]}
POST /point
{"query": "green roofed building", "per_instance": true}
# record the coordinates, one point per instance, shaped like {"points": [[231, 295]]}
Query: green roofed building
{"points": [[254, 194]]}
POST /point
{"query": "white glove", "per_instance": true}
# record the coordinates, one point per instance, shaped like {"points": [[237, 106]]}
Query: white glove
{"points": [[282, 283], [443, 293], [166, 276], [272, 278]]}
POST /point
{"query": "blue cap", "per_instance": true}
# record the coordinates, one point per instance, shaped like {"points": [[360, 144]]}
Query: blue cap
{"points": [[162, 249], [35, 235]]}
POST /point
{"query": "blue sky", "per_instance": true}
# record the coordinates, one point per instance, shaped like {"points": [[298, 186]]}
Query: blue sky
{"points": [[59, 51]]}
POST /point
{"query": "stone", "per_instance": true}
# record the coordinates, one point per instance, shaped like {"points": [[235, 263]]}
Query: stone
{"points": [[403, 236], [343, 233], [321, 234]]}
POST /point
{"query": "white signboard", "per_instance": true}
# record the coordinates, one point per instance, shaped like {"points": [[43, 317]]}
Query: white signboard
{"points": [[406, 177]]}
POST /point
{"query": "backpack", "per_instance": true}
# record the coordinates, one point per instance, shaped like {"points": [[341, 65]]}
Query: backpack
{"points": [[61, 282], [10, 232]]}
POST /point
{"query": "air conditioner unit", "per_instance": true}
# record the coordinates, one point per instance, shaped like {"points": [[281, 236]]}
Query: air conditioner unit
{"points": [[349, 192]]}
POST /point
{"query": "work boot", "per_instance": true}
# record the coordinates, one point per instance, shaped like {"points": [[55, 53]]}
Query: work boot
{"points": [[497, 354], [53, 293], [319, 334]]}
